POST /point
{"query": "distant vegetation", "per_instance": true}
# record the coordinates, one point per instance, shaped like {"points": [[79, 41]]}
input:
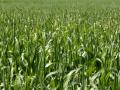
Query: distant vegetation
{"points": [[52, 4]]}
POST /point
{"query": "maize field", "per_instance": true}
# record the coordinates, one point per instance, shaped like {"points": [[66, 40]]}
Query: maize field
{"points": [[61, 49]]}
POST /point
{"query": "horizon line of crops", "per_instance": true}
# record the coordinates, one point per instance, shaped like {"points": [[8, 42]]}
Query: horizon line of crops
{"points": [[68, 51]]}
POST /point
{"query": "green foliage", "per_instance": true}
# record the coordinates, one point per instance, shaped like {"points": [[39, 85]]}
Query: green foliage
{"points": [[71, 50]]}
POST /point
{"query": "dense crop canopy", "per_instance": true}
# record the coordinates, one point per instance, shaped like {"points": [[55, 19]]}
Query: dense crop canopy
{"points": [[77, 50]]}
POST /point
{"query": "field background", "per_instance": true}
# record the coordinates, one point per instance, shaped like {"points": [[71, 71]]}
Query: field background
{"points": [[52, 4]]}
